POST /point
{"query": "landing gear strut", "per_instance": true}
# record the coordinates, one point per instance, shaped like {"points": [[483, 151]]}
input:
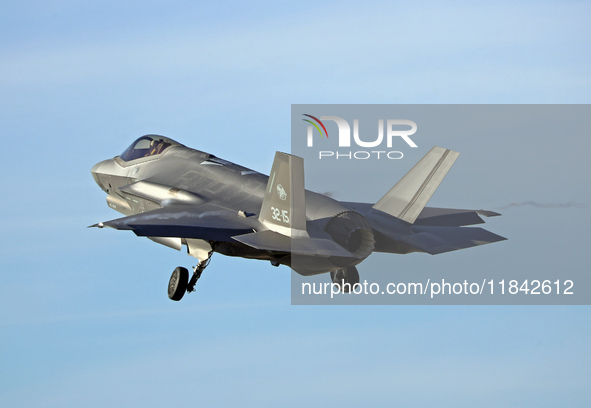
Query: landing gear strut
{"points": [[179, 282], [346, 278], [197, 271]]}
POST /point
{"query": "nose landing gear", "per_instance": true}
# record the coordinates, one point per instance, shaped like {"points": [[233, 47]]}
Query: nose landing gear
{"points": [[179, 282], [177, 285]]}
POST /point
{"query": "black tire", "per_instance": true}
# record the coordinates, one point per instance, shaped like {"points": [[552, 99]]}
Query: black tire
{"points": [[177, 285], [348, 275]]}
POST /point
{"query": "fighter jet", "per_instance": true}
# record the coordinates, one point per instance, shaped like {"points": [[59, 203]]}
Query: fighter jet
{"points": [[182, 197]]}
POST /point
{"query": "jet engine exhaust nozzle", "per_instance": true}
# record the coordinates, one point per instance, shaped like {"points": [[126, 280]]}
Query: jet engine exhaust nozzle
{"points": [[353, 232]]}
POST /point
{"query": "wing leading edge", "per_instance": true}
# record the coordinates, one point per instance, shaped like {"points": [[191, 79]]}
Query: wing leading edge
{"points": [[208, 222]]}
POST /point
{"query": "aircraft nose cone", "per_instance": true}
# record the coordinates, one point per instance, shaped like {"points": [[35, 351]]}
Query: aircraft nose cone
{"points": [[94, 170]]}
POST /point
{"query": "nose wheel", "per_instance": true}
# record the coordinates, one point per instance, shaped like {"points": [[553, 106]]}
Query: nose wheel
{"points": [[179, 282], [177, 285]]}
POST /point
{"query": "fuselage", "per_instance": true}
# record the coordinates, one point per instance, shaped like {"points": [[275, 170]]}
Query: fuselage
{"points": [[178, 196], [147, 178]]}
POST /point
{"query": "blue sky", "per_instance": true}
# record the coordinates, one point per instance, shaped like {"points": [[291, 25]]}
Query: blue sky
{"points": [[84, 318]]}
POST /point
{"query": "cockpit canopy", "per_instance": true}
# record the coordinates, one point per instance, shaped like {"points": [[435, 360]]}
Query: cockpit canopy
{"points": [[148, 145]]}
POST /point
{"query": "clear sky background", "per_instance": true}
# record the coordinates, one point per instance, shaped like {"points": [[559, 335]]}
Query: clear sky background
{"points": [[84, 316]]}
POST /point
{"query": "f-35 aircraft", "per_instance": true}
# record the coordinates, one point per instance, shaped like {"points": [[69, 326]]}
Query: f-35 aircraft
{"points": [[178, 196]]}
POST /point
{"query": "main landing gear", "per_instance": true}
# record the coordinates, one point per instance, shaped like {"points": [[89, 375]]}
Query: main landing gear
{"points": [[179, 282], [346, 278]]}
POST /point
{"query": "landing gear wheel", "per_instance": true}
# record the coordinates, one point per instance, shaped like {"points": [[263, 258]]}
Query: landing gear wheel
{"points": [[346, 278], [177, 286]]}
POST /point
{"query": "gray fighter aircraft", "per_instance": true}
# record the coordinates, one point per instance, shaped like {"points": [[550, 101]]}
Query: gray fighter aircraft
{"points": [[178, 196]]}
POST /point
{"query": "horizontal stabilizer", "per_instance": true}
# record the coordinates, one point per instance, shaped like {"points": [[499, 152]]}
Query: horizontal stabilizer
{"points": [[411, 194], [273, 241], [436, 240], [488, 213], [211, 223], [448, 217]]}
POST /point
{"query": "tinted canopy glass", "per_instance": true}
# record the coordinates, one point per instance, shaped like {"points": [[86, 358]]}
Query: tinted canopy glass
{"points": [[148, 145]]}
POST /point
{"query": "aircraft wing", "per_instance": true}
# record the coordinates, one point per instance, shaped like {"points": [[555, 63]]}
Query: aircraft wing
{"points": [[442, 217], [436, 230], [394, 237], [272, 241], [208, 221]]}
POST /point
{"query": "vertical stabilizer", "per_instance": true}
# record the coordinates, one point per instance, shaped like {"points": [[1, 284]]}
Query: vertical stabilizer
{"points": [[284, 204], [410, 195]]}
